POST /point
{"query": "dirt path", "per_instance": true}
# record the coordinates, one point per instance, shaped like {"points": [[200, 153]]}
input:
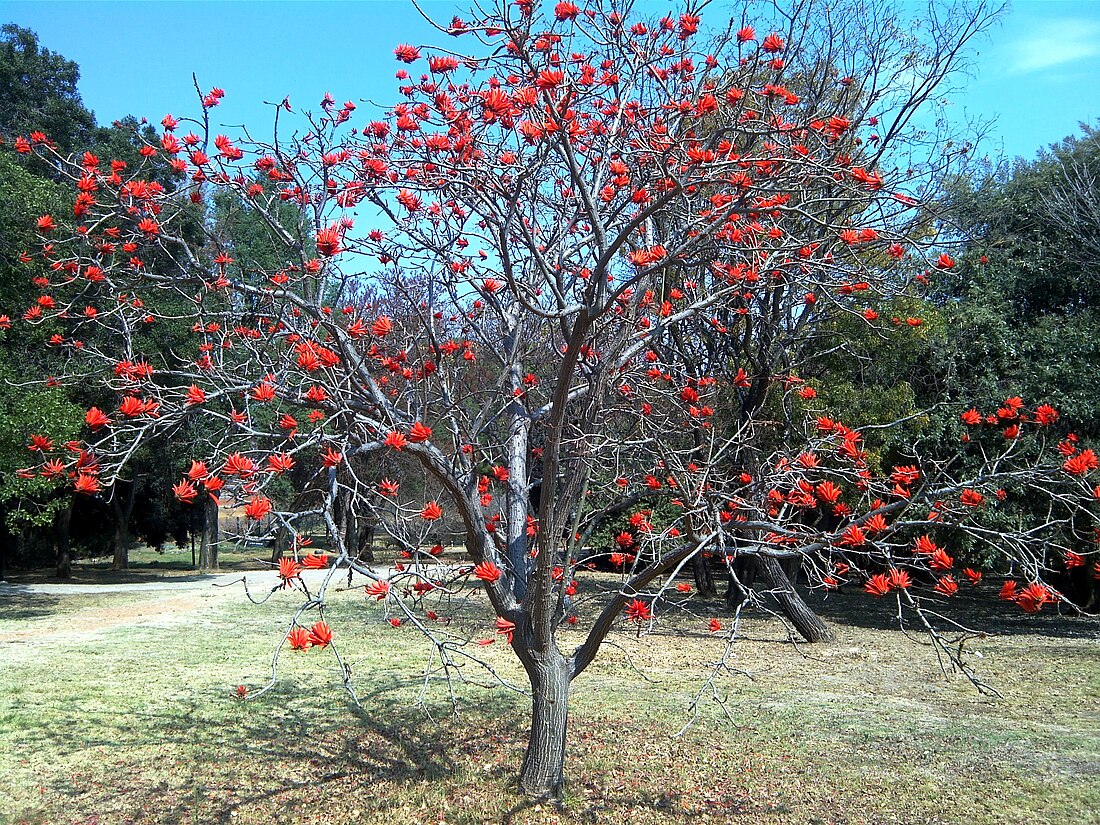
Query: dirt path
{"points": [[161, 602], [90, 620]]}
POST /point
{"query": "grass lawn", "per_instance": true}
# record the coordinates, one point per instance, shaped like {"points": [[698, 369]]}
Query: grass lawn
{"points": [[119, 708]]}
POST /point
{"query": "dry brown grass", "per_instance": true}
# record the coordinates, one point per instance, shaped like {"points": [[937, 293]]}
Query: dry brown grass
{"points": [[134, 722]]}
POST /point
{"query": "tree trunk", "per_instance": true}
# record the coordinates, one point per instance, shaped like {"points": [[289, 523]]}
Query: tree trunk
{"points": [[801, 615], [61, 541], [543, 771], [122, 513], [6, 540], [351, 527], [280, 545], [365, 542], [208, 547], [738, 586], [339, 516], [121, 560], [704, 578]]}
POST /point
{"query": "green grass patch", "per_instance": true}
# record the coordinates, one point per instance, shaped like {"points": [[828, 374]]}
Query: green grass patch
{"points": [[121, 709]]}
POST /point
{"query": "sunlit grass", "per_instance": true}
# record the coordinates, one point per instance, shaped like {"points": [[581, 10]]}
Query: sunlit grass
{"points": [[112, 707]]}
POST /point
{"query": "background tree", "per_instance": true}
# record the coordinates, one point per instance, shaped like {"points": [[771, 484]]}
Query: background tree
{"points": [[34, 509], [1022, 304], [38, 91]]}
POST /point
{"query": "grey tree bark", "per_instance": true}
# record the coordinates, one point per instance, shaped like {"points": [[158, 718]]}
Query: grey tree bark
{"points": [[780, 585], [208, 547], [61, 541], [543, 771], [801, 615], [122, 511]]}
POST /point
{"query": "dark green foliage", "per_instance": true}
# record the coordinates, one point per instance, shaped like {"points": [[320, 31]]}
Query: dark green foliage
{"points": [[38, 91], [1023, 309], [1024, 304]]}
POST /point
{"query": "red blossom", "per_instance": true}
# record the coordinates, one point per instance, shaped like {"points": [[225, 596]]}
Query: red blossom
{"points": [[1032, 598], [418, 433], [971, 417], [185, 491], [971, 498], [1081, 463], [487, 572], [406, 53], [320, 635], [772, 43], [900, 579], [506, 628], [257, 508], [379, 589], [946, 585], [878, 585], [1046, 415], [637, 611], [298, 637], [289, 570]]}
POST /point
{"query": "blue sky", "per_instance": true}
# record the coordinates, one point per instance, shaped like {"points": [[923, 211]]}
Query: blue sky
{"points": [[1038, 73]]}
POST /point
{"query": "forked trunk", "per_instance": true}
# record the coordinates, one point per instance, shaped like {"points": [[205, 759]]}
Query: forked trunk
{"points": [[543, 770]]}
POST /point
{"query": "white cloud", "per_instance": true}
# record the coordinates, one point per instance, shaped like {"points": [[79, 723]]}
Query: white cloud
{"points": [[1053, 43]]}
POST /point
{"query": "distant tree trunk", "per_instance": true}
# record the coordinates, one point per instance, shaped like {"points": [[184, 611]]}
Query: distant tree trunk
{"points": [[704, 577], [122, 514], [366, 541], [281, 544], [739, 584], [342, 518], [748, 568], [351, 527], [208, 546], [368, 528], [61, 541], [543, 771], [801, 615], [6, 540]]}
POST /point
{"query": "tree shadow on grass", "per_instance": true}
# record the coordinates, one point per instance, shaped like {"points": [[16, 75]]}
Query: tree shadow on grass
{"points": [[283, 757], [978, 610], [279, 753], [17, 603]]}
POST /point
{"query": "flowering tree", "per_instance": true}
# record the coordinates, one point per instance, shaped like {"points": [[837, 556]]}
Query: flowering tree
{"points": [[559, 293]]}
